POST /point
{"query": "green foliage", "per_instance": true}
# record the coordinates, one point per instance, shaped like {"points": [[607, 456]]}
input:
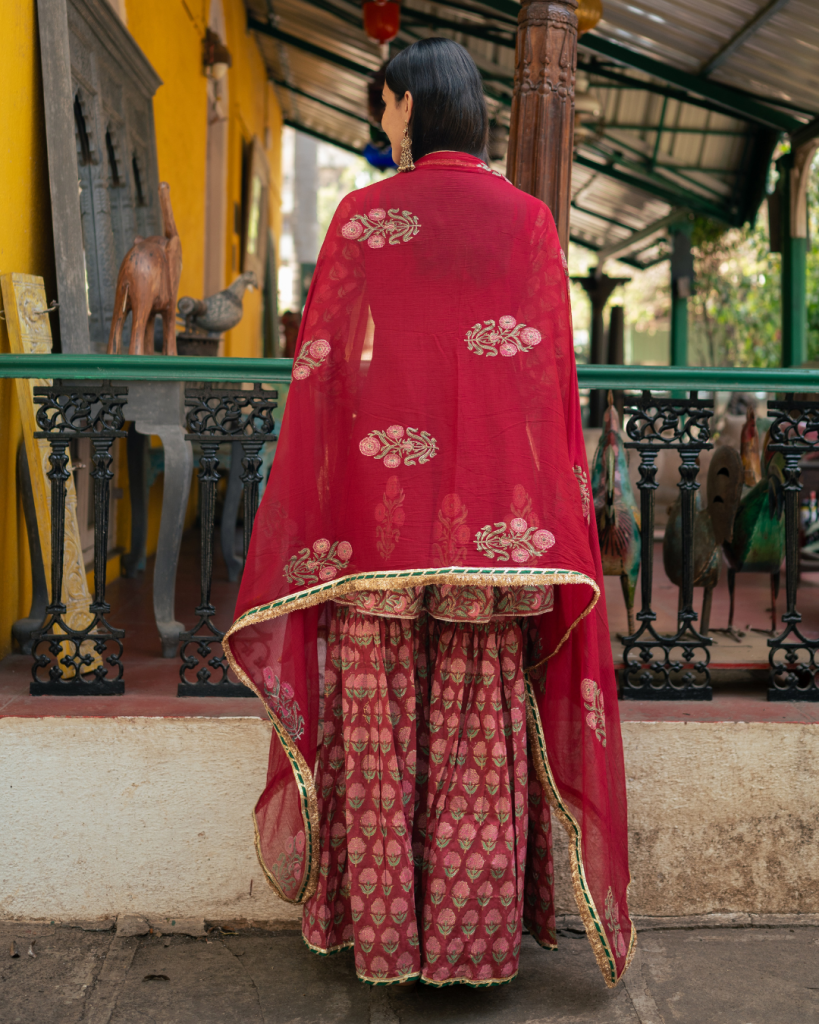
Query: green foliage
{"points": [[736, 309], [736, 312]]}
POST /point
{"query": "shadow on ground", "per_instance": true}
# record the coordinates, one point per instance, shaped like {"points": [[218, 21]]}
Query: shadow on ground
{"points": [[700, 976]]}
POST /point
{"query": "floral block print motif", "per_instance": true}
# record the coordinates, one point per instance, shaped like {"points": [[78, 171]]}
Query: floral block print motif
{"points": [[398, 444], [460, 604], [381, 226], [283, 703], [288, 868], [496, 174], [516, 602], [507, 338], [310, 358], [515, 539], [405, 603], [585, 493], [613, 921], [593, 702], [539, 905], [323, 563], [521, 507], [450, 533], [366, 783], [475, 824], [389, 515]]}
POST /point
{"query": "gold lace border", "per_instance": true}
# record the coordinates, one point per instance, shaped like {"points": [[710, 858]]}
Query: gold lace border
{"points": [[398, 579], [585, 904], [308, 805]]}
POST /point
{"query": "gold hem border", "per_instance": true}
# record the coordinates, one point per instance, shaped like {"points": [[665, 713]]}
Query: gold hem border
{"points": [[469, 982], [543, 945], [384, 982], [309, 810], [585, 904], [326, 952]]}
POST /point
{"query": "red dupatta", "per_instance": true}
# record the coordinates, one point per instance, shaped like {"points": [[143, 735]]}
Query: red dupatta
{"points": [[432, 435]]}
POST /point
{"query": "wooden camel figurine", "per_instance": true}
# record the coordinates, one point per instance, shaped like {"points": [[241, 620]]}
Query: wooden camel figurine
{"points": [[616, 509], [147, 286], [713, 526], [758, 542]]}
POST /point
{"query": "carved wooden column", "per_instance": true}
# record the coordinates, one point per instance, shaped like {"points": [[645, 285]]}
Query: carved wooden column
{"points": [[539, 159]]}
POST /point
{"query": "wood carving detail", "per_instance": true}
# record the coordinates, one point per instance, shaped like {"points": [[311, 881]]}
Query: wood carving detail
{"points": [[30, 332], [542, 118], [147, 286]]}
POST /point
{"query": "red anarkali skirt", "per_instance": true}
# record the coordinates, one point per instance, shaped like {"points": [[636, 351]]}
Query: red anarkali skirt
{"points": [[435, 832]]}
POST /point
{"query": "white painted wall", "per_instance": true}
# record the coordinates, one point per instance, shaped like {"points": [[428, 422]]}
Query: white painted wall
{"points": [[151, 816], [102, 816]]}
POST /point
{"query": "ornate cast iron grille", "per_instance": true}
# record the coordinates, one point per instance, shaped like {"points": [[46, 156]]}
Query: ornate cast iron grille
{"points": [[67, 659], [672, 667], [792, 659], [217, 417]]}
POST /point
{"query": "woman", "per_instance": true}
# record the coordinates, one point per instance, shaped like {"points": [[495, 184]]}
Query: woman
{"points": [[428, 516]]}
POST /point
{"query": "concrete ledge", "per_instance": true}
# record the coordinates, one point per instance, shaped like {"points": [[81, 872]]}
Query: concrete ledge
{"points": [[151, 817]]}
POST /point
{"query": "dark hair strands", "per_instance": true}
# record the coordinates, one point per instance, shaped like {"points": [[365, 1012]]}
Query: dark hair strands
{"points": [[449, 109]]}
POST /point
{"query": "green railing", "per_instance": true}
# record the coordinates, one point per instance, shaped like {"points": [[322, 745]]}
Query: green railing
{"points": [[221, 369]]}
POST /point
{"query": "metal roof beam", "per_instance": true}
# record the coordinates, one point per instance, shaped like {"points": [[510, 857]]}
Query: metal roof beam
{"points": [[321, 136], [602, 216], [739, 38], [315, 99], [594, 67], [607, 251], [266, 29], [807, 133], [642, 166], [732, 100], [665, 130], [657, 186]]}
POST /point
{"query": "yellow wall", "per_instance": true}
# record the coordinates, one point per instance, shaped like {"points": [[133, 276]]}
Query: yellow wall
{"points": [[172, 41], [180, 114], [26, 247], [253, 107], [170, 34]]}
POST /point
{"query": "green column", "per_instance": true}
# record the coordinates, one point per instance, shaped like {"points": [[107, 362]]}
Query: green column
{"points": [[794, 275], [682, 281]]}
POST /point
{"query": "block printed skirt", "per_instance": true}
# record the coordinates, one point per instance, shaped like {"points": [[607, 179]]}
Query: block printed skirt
{"points": [[435, 832]]}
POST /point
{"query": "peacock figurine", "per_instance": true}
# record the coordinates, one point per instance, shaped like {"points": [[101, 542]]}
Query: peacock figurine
{"points": [[616, 509], [220, 312], [758, 541], [713, 525]]}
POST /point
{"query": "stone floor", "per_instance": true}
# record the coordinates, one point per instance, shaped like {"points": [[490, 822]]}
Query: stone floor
{"points": [[682, 975]]}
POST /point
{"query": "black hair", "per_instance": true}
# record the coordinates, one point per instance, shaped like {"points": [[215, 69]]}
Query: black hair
{"points": [[449, 109]]}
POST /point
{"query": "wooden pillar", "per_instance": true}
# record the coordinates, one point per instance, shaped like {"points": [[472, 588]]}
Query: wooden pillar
{"points": [[541, 134], [598, 286]]}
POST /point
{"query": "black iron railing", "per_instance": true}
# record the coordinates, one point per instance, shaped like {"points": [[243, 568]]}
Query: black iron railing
{"points": [[83, 403], [651, 669], [217, 417], [84, 659]]}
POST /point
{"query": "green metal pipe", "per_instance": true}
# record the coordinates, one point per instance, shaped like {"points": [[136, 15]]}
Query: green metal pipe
{"points": [[794, 275], [794, 301], [223, 370]]}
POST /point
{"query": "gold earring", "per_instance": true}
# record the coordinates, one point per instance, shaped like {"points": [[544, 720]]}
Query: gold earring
{"points": [[406, 163]]}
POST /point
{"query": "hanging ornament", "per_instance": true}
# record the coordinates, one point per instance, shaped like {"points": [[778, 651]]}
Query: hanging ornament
{"points": [[589, 12], [382, 19]]}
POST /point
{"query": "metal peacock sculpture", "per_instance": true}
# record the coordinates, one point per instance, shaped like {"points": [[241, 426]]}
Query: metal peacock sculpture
{"points": [[758, 541], [713, 525], [220, 312], [616, 509]]}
